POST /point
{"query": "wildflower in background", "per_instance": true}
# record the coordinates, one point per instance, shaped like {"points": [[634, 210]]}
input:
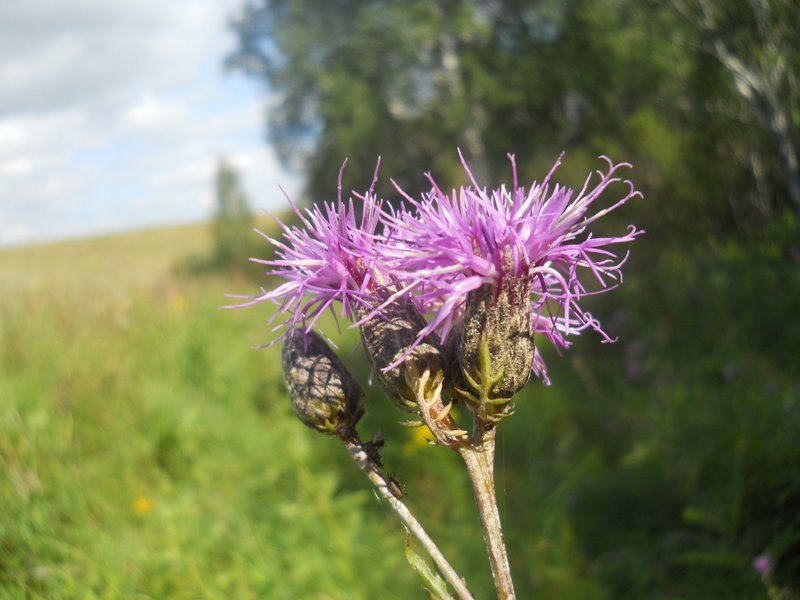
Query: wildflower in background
{"points": [[177, 302], [763, 564], [512, 259], [142, 505], [416, 439]]}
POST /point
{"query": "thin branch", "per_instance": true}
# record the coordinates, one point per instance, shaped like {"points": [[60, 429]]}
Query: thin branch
{"points": [[359, 455]]}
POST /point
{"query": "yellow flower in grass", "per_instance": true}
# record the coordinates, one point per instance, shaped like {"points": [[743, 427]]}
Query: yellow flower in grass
{"points": [[177, 302], [418, 437], [142, 505]]}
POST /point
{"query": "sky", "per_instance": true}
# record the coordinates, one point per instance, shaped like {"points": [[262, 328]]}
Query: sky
{"points": [[114, 114]]}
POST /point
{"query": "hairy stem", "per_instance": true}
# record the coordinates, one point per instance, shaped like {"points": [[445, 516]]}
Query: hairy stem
{"points": [[357, 452], [478, 455], [479, 460]]}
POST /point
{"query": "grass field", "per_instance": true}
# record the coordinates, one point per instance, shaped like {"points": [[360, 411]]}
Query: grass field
{"points": [[147, 451], [128, 260]]}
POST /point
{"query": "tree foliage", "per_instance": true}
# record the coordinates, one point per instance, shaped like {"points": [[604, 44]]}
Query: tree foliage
{"points": [[701, 95], [755, 42]]}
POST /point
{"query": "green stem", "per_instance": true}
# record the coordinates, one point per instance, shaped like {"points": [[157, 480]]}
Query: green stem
{"points": [[479, 460], [356, 451]]}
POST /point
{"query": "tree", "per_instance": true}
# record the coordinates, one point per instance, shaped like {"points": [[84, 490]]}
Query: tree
{"points": [[233, 218], [363, 79], [755, 41], [678, 93], [411, 81]]}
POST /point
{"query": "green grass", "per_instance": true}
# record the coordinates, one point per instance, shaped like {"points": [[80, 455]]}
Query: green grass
{"points": [[139, 258], [147, 451]]}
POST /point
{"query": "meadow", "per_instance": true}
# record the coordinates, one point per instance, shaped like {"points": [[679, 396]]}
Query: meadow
{"points": [[148, 451]]}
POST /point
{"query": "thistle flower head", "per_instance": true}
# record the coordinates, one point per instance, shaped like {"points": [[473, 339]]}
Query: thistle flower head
{"points": [[528, 251], [329, 257], [452, 245]]}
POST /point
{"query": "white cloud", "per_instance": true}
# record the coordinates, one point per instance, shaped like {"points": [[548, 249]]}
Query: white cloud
{"points": [[113, 115], [153, 114]]}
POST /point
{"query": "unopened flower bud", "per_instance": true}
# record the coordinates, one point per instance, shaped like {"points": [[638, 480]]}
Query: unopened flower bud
{"points": [[386, 338], [500, 319], [453, 375], [324, 395]]}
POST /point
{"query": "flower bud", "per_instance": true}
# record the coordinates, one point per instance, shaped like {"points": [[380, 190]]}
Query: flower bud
{"points": [[453, 375], [386, 337], [324, 395], [500, 318]]}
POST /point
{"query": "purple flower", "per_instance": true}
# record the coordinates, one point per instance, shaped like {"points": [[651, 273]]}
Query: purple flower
{"points": [[452, 245], [763, 564], [442, 248], [329, 258]]}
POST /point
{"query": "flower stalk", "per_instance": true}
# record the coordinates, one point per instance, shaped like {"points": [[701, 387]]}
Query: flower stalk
{"points": [[480, 466], [367, 465], [478, 456]]}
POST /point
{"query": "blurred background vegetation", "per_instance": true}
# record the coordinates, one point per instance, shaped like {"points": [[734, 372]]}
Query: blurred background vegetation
{"points": [[147, 451]]}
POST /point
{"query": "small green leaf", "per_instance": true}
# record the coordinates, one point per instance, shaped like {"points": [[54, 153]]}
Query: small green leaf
{"points": [[432, 581]]}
